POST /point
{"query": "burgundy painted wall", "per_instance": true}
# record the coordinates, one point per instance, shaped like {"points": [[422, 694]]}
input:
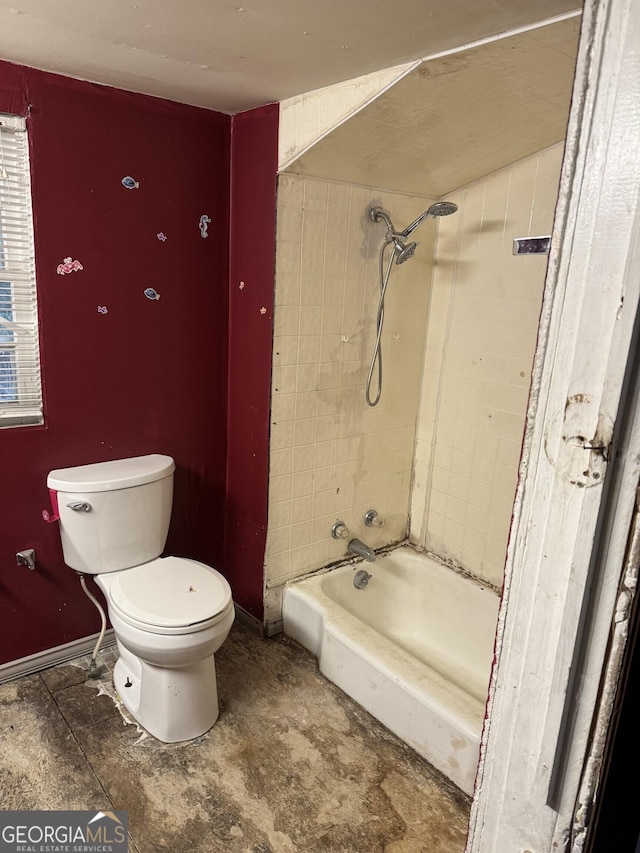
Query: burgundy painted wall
{"points": [[148, 376], [254, 165]]}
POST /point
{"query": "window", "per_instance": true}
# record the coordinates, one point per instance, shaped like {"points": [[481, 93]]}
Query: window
{"points": [[20, 387]]}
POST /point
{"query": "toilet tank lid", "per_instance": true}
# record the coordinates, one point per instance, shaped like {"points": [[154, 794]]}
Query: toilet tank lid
{"points": [[110, 476]]}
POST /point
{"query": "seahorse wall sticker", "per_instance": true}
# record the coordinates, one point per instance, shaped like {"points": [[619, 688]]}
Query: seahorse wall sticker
{"points": [[204, 225]]}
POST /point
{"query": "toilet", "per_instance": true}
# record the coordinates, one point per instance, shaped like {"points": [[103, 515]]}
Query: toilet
{"points": [[169, 614]]}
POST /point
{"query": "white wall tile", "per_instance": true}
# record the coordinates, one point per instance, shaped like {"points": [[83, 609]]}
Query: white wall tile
{"points": [[481, 337], [468, 379], [341, 455], [279, 488]]}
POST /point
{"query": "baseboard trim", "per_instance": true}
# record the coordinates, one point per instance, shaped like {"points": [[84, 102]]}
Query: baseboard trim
{"points": [[51, 657]]}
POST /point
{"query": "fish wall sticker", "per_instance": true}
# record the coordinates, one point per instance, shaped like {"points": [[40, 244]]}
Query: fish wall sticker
{"points": [[68, 266], [150, 293], [130, 183]]}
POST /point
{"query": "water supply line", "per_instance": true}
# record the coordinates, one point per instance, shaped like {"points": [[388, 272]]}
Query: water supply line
{"points": [[94, 670]]}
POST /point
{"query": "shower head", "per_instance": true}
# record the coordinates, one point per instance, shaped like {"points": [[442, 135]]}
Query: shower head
{"points": [[440, 208], [404, 251]]}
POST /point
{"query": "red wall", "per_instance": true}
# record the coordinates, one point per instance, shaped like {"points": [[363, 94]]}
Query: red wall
{"points": [[148, 376], [254, 164]]}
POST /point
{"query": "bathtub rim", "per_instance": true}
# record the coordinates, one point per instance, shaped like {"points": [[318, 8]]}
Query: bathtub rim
{"points": [[384, 551]]}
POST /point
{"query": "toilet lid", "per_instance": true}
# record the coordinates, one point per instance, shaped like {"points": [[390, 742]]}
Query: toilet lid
{"points": [[170, 592]]}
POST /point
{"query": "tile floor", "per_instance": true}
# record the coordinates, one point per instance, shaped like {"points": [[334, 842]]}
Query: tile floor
{"points": [[291, 765]]}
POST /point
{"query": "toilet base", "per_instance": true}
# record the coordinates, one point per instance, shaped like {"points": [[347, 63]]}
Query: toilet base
{"points": [[171, 704]]}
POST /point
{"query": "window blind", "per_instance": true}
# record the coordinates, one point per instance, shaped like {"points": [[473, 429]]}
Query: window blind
{"points": [[20, 385]]}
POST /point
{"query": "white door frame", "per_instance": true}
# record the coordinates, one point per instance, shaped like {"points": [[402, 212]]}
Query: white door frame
{"points": [[565, 556]]}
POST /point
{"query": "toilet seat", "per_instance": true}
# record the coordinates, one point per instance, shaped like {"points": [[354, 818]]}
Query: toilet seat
{"points": [[169, 595]]}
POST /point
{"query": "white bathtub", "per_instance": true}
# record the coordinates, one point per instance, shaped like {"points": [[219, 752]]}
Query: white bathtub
{"points": [[414, 648]]}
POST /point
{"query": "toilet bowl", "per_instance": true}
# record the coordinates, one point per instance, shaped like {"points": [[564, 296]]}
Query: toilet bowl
{"points": [[167, 637], [170, 615]]}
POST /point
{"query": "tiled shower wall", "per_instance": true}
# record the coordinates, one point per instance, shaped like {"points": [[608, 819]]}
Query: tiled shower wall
{"points": [[333, 457], [481, 337]]}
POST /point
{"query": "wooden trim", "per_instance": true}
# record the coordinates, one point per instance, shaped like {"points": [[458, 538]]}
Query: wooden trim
{"points": [[591, 301]]}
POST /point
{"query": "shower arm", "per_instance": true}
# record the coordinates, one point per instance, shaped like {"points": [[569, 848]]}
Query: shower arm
{"points": [[378, 215]]}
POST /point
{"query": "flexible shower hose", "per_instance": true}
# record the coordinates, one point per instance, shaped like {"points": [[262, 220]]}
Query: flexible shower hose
{"points": [[377, 351]]}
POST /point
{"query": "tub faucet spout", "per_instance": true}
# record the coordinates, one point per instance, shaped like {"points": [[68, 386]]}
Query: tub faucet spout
{"points": [[361, 550]]}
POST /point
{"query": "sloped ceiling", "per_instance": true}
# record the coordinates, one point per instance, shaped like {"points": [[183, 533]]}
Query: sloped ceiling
{"points": [[457, 118], [231, 55]]}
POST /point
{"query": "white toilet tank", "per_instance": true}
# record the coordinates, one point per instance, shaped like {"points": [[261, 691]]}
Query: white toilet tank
{"points": [[114, 515]]}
